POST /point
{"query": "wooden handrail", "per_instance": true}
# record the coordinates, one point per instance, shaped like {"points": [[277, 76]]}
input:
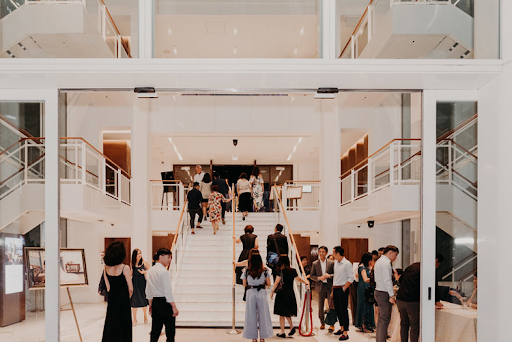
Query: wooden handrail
{"points": [[357, 27], [462, 148], [450, 132], [292, 181], [234, 226], [115, 27], [8, 148], [364, 161], [20, 170], [10, 123], [165, 181], [292, 239], [175, 238]]}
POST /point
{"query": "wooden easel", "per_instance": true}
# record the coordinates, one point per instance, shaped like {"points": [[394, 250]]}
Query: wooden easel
{"points": [[74, 313]]}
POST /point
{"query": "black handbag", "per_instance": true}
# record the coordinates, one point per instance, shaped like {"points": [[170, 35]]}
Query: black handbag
{"points": [[369, 297], [279, 286]]}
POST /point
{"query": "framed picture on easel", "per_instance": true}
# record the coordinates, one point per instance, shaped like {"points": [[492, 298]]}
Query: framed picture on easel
{"points": [[73, 270]]}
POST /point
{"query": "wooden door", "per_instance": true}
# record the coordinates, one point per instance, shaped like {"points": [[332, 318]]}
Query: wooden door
{"points": [[127, 246], [303, 245], [162, 242], [354, 248]]}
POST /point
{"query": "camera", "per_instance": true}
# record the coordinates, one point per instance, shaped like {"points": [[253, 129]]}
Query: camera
{"points": [[235, 142], [358, 226], [371, 224]]}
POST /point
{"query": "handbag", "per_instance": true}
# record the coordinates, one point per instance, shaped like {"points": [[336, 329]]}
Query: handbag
{"points": [[369, 297], [279, 286], [273, 258], [102, 287], [331, 317]]}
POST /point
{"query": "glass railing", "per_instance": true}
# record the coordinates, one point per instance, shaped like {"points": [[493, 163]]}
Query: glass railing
{"points": [[300, 195]]}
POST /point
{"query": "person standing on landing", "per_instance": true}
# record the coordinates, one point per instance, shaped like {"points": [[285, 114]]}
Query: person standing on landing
{"points": [[161, 300], [322, 272], [342, 279], [198, 177], [243, 188], [384, 293], [140, 268]]}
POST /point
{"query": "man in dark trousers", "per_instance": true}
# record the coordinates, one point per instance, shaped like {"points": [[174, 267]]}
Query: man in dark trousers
{"points": [[223, 189], [195, 202], [322, 271], [408, 302], [277, 243], [162, 307], [342, 279]]}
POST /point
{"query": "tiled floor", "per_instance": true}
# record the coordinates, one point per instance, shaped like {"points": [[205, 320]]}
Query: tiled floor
{"points": [[91, 318]]}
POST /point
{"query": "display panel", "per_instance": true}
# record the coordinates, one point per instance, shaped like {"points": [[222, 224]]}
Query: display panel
{"points": [[73, 271], [13, 264]]}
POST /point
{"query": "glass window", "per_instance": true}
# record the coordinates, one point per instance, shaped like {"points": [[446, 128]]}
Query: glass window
{"points": [[237, 29], [69, 28], [456, 219], [417, 29]]}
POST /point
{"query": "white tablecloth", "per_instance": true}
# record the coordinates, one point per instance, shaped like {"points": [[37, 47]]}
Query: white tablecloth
{"points": [[453, 324]]}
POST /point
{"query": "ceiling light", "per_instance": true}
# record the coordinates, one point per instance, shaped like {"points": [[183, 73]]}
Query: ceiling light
{"points": [[175, 50], [169, 31], [295, 51], [175, 149], [235, 31], [301, 32], [234, 157], [289, 157]]}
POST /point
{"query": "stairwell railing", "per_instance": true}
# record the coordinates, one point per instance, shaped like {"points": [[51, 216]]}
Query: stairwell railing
{"points": [[178, 244], [233, 330]]}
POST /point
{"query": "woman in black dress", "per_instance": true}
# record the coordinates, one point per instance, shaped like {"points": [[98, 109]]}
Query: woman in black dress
{"points": [[285, 304], [249, 241], [118, 321], [139, 300]]}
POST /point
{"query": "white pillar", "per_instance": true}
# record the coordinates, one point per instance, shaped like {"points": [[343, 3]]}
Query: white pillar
{"points": [[327, 39], [141, 161], [428, 216], [145, 29], [330, 171], [52, 218]]}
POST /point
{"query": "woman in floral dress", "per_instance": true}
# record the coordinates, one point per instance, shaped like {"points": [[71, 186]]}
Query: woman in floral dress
{"points": [[257, 183], [214, 207]]}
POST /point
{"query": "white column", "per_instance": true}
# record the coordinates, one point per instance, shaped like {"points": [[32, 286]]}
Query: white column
{"points": [[428, 216], [327, 17], [146, 29], [486, 30], [52, 218], [330, 171], [141, 159]]}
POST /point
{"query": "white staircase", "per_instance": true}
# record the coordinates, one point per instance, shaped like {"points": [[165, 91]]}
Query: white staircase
{"points": [[203, 291]]}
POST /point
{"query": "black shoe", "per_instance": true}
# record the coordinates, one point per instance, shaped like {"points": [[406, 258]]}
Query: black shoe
{"points": [[283, 335], [343, 337], [292, 331], [339, 332], [243, 218]]}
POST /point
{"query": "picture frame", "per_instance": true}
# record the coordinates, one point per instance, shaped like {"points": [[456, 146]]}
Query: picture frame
{"points": [[73, 268]]}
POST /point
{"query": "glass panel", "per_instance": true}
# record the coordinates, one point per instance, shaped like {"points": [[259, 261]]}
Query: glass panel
{"points": [[68, 28], [456, 219], [237, 29], [418, 29], [22, 216]]}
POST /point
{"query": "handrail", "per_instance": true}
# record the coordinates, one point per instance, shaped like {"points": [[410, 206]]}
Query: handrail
{"points": [[313, 181], [461, 147], [233, 330], [234, 232], [364, 161], [115, 28], [16, 128], [175, 238], [460, 265], [474, 184], [289, 230], [357, 27], [459, 127], [165, 181]]}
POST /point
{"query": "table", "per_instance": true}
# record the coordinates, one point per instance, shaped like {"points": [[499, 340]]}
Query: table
{"points": [[453, 324]]}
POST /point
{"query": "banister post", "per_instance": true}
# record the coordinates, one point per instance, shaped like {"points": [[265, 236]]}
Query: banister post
{"points": [[352, 186], [84, 162], [369, 175], [285, 196], [391, 163], [26, 161], [119, 174], [450, 161]]}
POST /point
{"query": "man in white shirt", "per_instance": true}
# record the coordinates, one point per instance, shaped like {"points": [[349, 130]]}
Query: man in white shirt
{"points": [[342, 279], [162, 307], [321, 273], [198, 177], [384, 294]]}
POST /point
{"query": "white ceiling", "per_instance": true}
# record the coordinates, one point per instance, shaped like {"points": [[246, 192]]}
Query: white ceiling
{"points": [[265, 148]]}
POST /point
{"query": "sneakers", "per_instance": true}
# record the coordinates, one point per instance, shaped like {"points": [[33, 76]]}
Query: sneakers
{"points": [[283, 335]]}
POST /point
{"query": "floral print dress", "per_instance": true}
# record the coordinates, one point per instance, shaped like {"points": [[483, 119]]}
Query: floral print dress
{"points": [[214, 207], [257, 191]]}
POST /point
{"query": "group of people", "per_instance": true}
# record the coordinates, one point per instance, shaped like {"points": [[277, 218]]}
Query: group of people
{"points": [[255, 276], [138, 286], [208, 198]]}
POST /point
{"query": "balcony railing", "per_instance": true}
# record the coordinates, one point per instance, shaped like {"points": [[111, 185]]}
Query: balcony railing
{"points": [[80, 163], [300, 195], [396, 163], [167, 195]]}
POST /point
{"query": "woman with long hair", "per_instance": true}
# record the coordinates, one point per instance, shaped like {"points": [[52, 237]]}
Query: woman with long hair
{"points": [[365, 319], [214, 207], [257, 184], [118, 321], [140, 268], [206, 189], [243, 188], [257, 314], [285, 304], [249, 241]]}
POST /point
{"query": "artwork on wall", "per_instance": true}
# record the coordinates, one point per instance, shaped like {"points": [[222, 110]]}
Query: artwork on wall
{"points": [[13, 264], [73, 271]]}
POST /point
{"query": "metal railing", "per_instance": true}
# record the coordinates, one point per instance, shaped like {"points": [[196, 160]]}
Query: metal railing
{"points": [[233, 330], [167, 195], [300, 195], [365, 28], [396, 163], [80, 163], [280, 215], [466, 261], [178, 244]]}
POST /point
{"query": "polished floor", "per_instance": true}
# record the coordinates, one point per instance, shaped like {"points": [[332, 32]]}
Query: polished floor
{"points": [[91, 318]]}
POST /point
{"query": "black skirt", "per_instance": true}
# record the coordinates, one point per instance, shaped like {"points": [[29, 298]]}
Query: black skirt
{"points": [[245, 202]]}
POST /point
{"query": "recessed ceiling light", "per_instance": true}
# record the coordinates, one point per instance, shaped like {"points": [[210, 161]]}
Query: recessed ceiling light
{"points": [[295, 51], [175, 50], [169, 31], [235, 31]]}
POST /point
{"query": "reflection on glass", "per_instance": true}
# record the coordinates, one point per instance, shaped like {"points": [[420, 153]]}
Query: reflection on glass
{"points": [[456, 219], [241, 29], [68, 28], [414, 29]]}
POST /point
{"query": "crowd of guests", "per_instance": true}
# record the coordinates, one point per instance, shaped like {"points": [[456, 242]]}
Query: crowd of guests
{"points": [[137, 286], [209, 198]]}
